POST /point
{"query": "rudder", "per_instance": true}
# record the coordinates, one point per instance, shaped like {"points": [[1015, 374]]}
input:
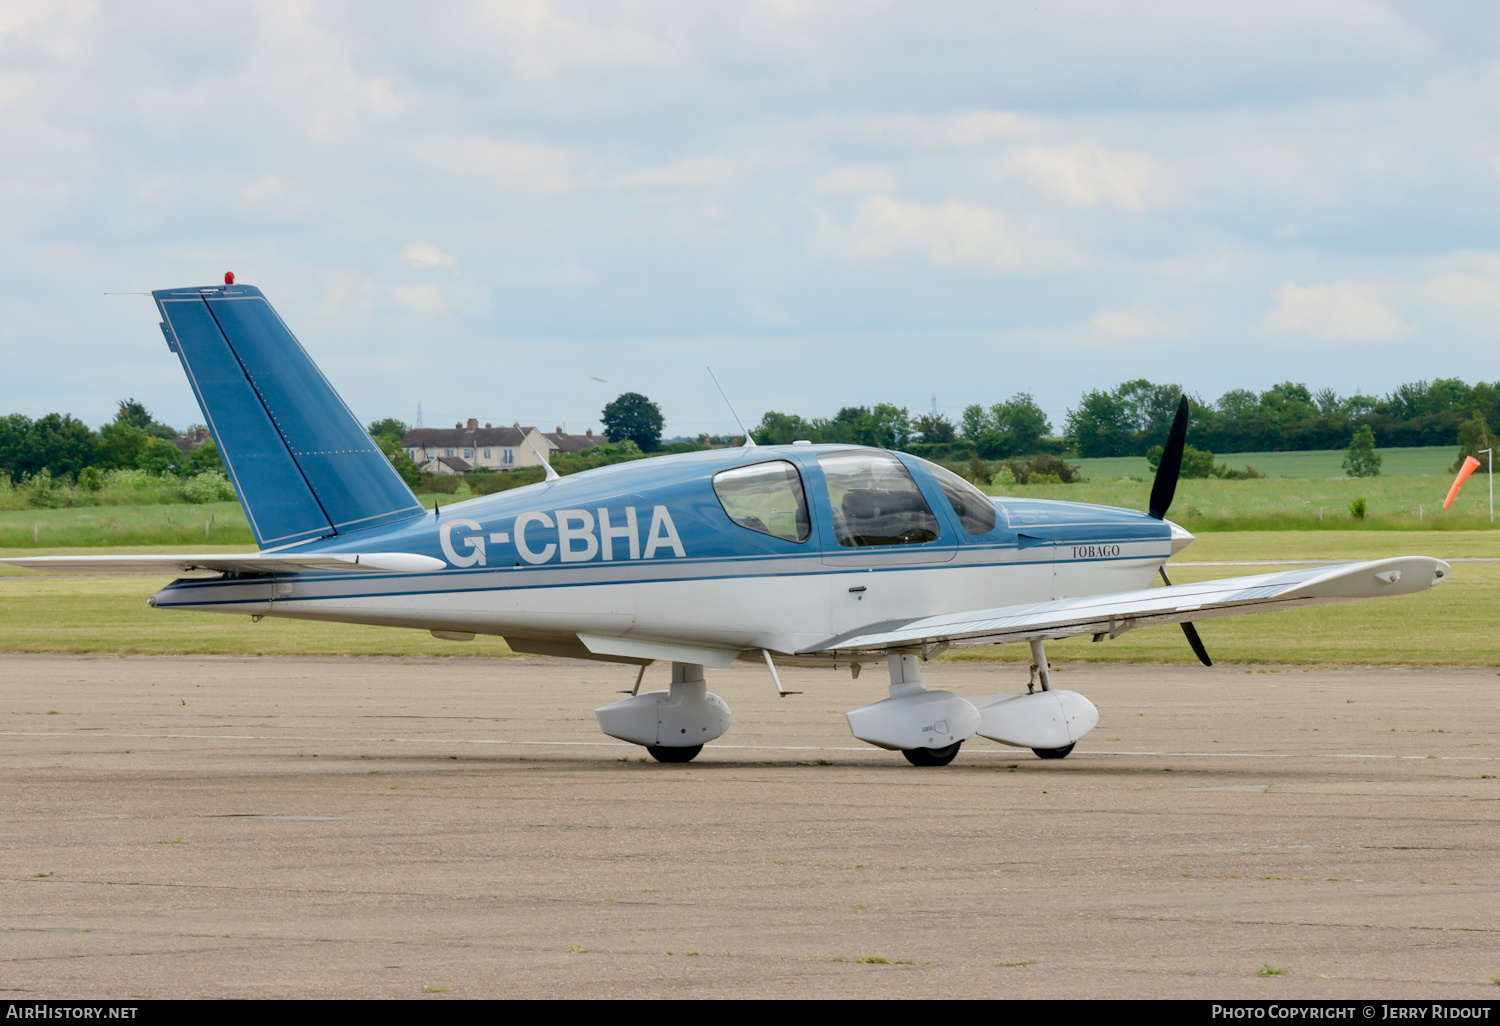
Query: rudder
{"points": [[301, 463]]}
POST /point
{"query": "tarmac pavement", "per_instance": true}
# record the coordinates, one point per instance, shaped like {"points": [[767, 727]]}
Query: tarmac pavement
{"points": [[226, 827]]}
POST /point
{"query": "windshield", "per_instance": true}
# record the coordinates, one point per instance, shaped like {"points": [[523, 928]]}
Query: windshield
{"points": [[975, 510], [874, 500]]}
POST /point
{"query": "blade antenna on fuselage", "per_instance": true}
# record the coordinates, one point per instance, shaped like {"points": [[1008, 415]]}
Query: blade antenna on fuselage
{"points": [[547, 472], [749, 442]]}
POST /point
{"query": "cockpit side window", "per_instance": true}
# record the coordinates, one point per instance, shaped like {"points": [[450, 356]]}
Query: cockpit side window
{"points": [[875, 501], [975, 510], [766, 497]]}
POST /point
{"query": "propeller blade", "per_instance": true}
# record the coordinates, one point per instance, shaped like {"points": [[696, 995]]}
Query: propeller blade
{"points": [[1197, 644], [1188, 630], [1170, 466]]}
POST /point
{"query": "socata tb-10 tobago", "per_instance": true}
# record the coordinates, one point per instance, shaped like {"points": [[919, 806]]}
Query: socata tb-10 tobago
{"points": [[829, 556]]}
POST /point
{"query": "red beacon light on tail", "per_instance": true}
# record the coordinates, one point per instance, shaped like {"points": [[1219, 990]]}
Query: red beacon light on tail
{"points": [[228, 277]]}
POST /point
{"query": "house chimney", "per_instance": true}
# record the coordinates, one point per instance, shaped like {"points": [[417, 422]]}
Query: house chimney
{"points": [[486, 425], [473, 424], [557, 431], [458, 427], [589, 433]]}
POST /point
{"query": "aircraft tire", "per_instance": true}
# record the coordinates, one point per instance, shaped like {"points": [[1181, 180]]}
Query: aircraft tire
{"points": [[1053, 753], [932, 756], [661, 753]]}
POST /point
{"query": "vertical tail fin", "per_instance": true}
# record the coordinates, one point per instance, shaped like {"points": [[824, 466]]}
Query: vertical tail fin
{"points": [[301, 463]]}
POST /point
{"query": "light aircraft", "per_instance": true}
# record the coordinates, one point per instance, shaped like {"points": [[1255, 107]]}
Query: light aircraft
{"points": [[833, 556]]}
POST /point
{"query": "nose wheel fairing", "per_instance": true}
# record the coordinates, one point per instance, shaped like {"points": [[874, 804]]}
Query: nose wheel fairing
{"points": [[1047, 720]]}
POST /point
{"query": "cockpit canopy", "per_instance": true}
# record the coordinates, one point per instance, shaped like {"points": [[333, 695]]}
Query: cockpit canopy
{"points": [[872, 500]]}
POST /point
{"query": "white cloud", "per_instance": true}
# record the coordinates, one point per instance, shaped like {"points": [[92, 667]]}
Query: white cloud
{"points": [[422, 255], [857, 180], [421, 298], [1349, 310], [501, 164], [1137, 321], [1464, 290], [1084, 175], [945, 234], [566, 273], [690, 173], [952, 234], [1466, 280]]}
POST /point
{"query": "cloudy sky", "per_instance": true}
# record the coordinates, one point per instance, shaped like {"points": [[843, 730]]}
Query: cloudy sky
{"points": [[483, 208]]}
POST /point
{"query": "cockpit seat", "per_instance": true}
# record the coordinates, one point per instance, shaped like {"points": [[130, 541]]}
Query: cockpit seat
{"points": [[874, 516]]}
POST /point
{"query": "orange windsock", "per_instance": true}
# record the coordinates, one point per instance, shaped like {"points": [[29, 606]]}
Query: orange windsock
{"points": [[1470, 465]]}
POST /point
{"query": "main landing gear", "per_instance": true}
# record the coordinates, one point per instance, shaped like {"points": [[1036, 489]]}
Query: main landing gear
{"points": [[672, 725], [932, 756], [929, 727]]}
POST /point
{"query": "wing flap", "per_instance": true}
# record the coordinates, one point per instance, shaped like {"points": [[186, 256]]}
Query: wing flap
{"points": [[231, 563], [1110, 614]]}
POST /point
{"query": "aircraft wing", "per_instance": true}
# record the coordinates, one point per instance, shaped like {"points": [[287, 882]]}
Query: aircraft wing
{"points": [[231, 563], [1113, 614]]}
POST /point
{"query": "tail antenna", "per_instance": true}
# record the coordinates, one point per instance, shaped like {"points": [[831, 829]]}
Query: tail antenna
{"points": [[749, 441]]}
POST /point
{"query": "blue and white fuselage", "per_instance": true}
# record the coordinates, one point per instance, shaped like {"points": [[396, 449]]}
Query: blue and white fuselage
{"points": [[647, 551]]}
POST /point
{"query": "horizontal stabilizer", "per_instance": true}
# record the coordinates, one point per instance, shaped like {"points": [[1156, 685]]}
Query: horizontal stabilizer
{"points": [[299, 460], [231, 563], [1113, 614]]}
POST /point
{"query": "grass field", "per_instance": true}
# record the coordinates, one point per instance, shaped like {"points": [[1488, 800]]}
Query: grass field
{"points": [[1450, 625], [172, 524], [1409, 503], [1432, 459], [175, 524]]}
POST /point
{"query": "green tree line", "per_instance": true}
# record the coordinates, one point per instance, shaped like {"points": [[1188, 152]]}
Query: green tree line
{"points": [[1134, 417], [66, 449], [1017, 427]]}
